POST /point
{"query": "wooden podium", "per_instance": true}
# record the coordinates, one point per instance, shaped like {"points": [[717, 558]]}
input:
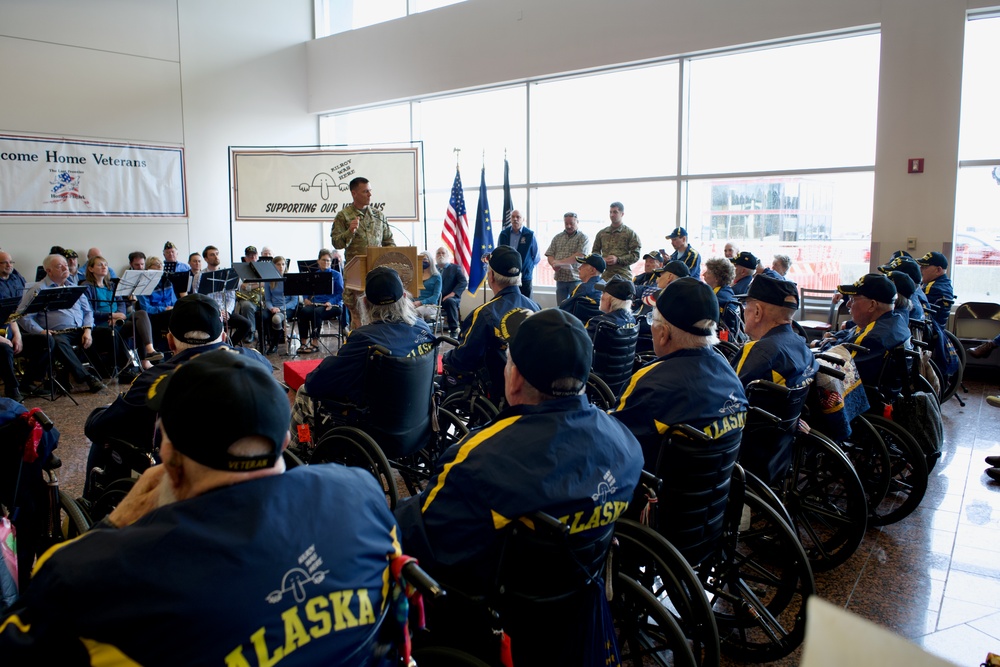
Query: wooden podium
{"points": [[402, 258]]}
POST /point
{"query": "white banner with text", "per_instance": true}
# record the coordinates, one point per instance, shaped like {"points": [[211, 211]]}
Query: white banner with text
{"points": [[69, 177], [315, 184]]}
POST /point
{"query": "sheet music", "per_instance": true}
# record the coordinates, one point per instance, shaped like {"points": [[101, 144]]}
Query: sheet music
{"points": [[138, 283]]}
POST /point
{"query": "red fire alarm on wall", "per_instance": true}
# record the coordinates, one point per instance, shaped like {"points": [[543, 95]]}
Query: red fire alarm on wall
{"points": [[916, 165]]}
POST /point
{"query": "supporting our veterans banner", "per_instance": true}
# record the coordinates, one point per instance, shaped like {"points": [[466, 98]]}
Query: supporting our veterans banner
{"points": [[68, 177]]}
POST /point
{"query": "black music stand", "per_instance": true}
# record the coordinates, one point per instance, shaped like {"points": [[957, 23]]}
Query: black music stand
{"points": [[258, 272], [131, 284], [214, 282], [308, 265], [319, 282], [180, 282], [44, 301]]}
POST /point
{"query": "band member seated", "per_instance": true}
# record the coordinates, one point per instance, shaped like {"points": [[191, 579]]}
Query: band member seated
{"points": [[317, 308]]}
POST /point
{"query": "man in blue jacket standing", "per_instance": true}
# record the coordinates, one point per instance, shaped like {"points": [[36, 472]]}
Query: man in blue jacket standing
{"points": [[521, 239]]}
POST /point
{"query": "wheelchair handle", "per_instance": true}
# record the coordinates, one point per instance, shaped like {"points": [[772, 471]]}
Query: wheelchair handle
{"points": [[831, 358], [548, 522], [832, 372], [446, 339], [44, 420], [691, 432], [767, 384], [913, 354], [922, 344], [760, 412], [650, 480], [422, 581], [855, 348]]}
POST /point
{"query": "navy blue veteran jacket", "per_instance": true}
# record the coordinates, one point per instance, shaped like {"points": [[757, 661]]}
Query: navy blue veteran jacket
{"points": [[563, 457], [585, 301], [219, 579], [481, 345], [940, 295], [695, 387], [742, 286], [691, 259], [129, 419], [342, 377], [527, 247], [887, 332], [780, 356]]}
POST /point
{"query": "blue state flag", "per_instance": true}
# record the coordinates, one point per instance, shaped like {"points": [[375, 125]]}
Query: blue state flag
{"points": [[482, 242]]}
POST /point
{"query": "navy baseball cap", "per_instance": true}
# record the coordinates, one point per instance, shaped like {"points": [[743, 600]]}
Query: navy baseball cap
{"points": [[689, 305], [873, 286], [595, 261], [904, 283], [774, 291], [551, 345], [195, 319], [746, 259], [215, 399], [906, 264], [677, 233], [654, 255], [383, 286], [933, 259], [505, 261], [618, 287], [676, 267]]}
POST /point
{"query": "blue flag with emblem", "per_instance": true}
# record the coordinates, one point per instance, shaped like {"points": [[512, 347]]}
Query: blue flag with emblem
{"points": [[482, 242]]}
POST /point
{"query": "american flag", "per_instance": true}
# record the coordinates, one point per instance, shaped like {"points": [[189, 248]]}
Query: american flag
{"points": [[456, 226]]}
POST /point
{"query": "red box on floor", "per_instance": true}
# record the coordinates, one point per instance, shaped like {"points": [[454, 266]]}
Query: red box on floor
{"points": [[296, 371]]}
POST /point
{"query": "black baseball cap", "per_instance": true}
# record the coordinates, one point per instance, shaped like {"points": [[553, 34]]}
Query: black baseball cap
{"points": [[618, 287], [904, 283], [505, 261], [216, 399], [655, 255], [774, 291], [383, 286], [873, 286], [689, 305], [746, 259], [933, 259], [677, 233], [906, 264], [595, 261], [195, 319], [676, 267], [250, 250], [551, 345]]}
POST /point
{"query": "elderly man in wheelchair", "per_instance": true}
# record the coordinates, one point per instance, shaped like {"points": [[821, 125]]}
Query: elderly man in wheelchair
{"points": [[550, 451]]}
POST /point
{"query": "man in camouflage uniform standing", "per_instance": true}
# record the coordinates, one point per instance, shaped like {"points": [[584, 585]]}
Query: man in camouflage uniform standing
{"points": [[354, 229], [618, 245]]}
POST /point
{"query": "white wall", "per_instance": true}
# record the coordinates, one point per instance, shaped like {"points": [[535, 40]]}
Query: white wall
{"points": [[482, 42], [203, 75]]}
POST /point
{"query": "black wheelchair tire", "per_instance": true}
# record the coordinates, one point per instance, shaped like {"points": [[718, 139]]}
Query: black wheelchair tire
{"points": [[950, 385], [74, 520], [352, 447], [110, 498], [646, 630], [909, 474], [868, 454], [474, 412], [599, 393]]}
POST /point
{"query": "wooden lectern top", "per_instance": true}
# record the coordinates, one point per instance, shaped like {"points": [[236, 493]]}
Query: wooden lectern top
{"points": [[401, 258]]}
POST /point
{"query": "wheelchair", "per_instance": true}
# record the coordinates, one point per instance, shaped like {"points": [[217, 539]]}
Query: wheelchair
{"points": [[467, 396], [614, 354], [399, 416], [750, 563], [811, 477]]}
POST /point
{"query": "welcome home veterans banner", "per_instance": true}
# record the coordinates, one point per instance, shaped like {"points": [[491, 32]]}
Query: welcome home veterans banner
{"points": [[291, 185], [67, 177]]}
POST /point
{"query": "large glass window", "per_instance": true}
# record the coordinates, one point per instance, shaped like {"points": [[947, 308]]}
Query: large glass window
{"points": [[333, 16], [975, 269]]}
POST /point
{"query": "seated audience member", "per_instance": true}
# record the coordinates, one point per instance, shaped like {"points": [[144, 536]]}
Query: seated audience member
{"points": [[11, 281], [195, 328], [91, 254], [481, 344], [454, 283], [170, 262], [905, 289], [389, 320], [937, 286], [877, 326], [137, 260], [614, 350], [430, 293], [539, 454], [719, 275], [279, 307], [66, 328], [250, 295], [781, 264], [109, 312], [196, 262], [266, 254], [652, 260], [11, 287], [73, 264], [319, 307], [584, 301], [194, 553], [237, 325], [665, 275], [909, 266], [746, 265], [158, 304], [683, 330], [731, 250]]}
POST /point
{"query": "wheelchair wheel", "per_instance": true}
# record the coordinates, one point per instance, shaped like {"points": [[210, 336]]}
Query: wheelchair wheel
{"points": [[74, 519], [474, 411], [292, 459], [649, 559], [907, 470], [599, 393], [109, 500], [349, 446], [827, 502], [868, 454], [950, 384], [646, 630], [418, 468], [758, 584]]}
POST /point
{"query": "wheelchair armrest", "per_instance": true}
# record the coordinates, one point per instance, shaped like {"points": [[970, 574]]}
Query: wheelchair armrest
{"points": [[922, 344], [647, 478], [446, 339], [423, 582], [831, 358], [855, 348], [546, 523], [832, 372], [770, 386], [760, 412], [690, 432]]}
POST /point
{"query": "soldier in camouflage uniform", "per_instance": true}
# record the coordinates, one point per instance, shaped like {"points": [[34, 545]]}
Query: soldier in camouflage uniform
{"points": [[618, 245]]}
